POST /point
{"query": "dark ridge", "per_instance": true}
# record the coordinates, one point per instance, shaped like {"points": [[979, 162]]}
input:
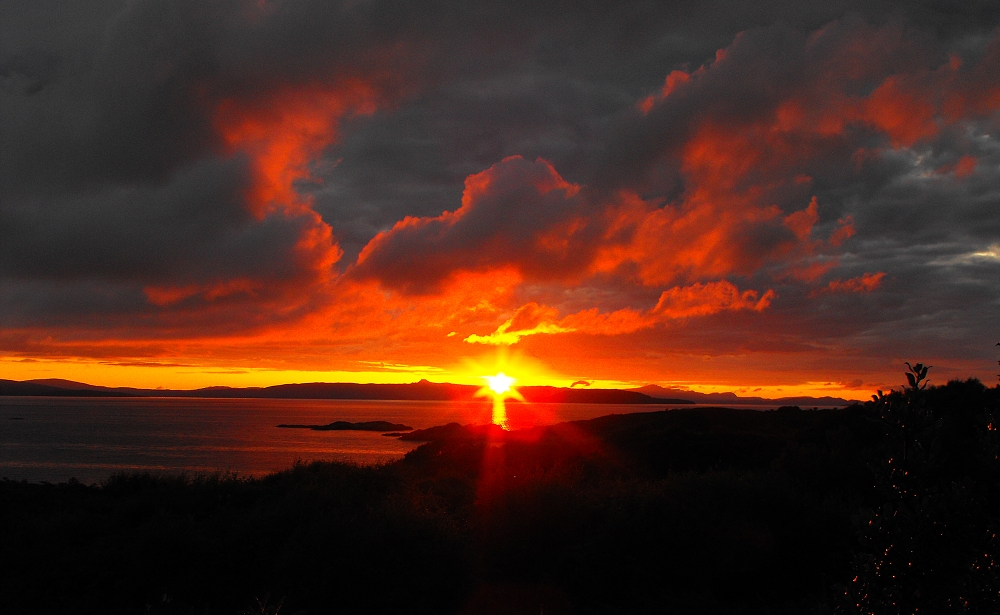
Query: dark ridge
{"points": [[348, 426], [62, 383], [417, 391], [711, 511], [31, 389], [546, 394], [722, 399]]}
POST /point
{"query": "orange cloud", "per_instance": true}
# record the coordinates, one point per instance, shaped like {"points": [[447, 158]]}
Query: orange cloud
{"points": [[962, 168], [283, 133], [739, 151], [746, 172], [676, 303], [845, 230], [517, 213], [280, 135], [529, 319], [974, 92], [708, 236], [705, 299], [163, 296], [525, 215], [674, 79], [847, 76], [863, 284], [965, 166]]}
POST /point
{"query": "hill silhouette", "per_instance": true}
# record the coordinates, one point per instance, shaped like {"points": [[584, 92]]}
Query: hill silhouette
{"points": [[693, 511], [654, 390], [417, 391]]}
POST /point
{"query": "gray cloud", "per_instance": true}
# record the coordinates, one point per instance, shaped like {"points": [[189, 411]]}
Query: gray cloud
{"points": [[114, 177]]}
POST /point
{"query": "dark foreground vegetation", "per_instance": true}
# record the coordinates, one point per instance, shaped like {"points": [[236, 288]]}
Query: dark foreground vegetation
{"points": [[888, 507]]}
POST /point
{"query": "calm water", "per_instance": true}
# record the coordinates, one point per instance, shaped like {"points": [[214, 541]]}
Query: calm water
{"points": [[56, 438]]}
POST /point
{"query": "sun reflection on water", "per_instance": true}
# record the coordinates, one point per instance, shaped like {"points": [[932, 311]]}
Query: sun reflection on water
{"points": [[501, 387]]}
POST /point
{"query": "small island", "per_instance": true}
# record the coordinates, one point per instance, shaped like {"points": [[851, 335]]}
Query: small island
{"points": [[348, 426]]}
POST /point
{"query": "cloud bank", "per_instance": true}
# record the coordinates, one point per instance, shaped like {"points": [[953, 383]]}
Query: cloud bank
{"points": [[785, 192]]}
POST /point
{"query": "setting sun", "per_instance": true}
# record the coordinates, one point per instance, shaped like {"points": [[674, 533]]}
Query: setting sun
{"points": [[499, 387], [500, 383], [494, 308]]}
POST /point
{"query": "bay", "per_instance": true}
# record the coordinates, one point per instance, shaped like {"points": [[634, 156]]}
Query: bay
{"points": [[57, 438]]}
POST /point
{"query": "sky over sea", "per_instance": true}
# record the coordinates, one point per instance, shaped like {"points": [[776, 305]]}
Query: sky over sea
{"points": [[773, 197]]}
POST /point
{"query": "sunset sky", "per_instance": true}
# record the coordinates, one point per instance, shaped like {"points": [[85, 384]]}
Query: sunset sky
{"points": [[773, 197]]}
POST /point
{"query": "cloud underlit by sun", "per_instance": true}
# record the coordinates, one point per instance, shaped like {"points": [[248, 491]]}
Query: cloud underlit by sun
{"points": [[629, 229]]}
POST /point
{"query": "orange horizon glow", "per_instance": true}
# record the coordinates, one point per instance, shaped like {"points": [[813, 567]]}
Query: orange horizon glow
{"points": [[545, 280], [152, 375]]}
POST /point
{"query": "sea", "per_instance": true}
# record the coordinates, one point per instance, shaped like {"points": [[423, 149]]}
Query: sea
{"points": [[89, 439]]}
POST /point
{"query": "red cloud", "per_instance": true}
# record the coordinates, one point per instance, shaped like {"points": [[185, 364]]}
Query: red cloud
{"points": [[279, 134], [704, 299], [743, 137], [166, 295], [674, 79], [525, 215], [778, 106], [844, 231], [862, 284], [516, 213], [962, 168], [739, 142], [676, 303], [284, 132]]}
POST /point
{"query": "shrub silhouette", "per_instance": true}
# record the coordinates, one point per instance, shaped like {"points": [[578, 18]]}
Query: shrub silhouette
{"points": [[690, 511], [929, 537]]}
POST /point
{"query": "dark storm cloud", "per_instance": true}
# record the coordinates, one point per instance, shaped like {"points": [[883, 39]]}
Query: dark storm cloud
{"points": [[115, 176], [138, 232], [506, 210], [549, 79], [918, 180], [133, 101], [119, 194]]}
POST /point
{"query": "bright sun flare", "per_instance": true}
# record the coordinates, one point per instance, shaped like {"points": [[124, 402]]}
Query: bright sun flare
{"points": [[500, 383]]}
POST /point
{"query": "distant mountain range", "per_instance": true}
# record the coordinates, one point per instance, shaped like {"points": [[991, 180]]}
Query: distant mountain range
{"points": [[723, 399], [423, 390]]}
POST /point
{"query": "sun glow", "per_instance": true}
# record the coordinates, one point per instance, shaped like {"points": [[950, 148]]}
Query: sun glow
{"points": [[500, 383], [500, 386]]}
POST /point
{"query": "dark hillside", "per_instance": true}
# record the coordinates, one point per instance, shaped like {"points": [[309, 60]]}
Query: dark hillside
{"points": [[688, 511], [35, 389]]}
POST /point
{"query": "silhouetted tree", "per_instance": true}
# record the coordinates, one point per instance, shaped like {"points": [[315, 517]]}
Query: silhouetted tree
{"points": [[929, 539]]}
